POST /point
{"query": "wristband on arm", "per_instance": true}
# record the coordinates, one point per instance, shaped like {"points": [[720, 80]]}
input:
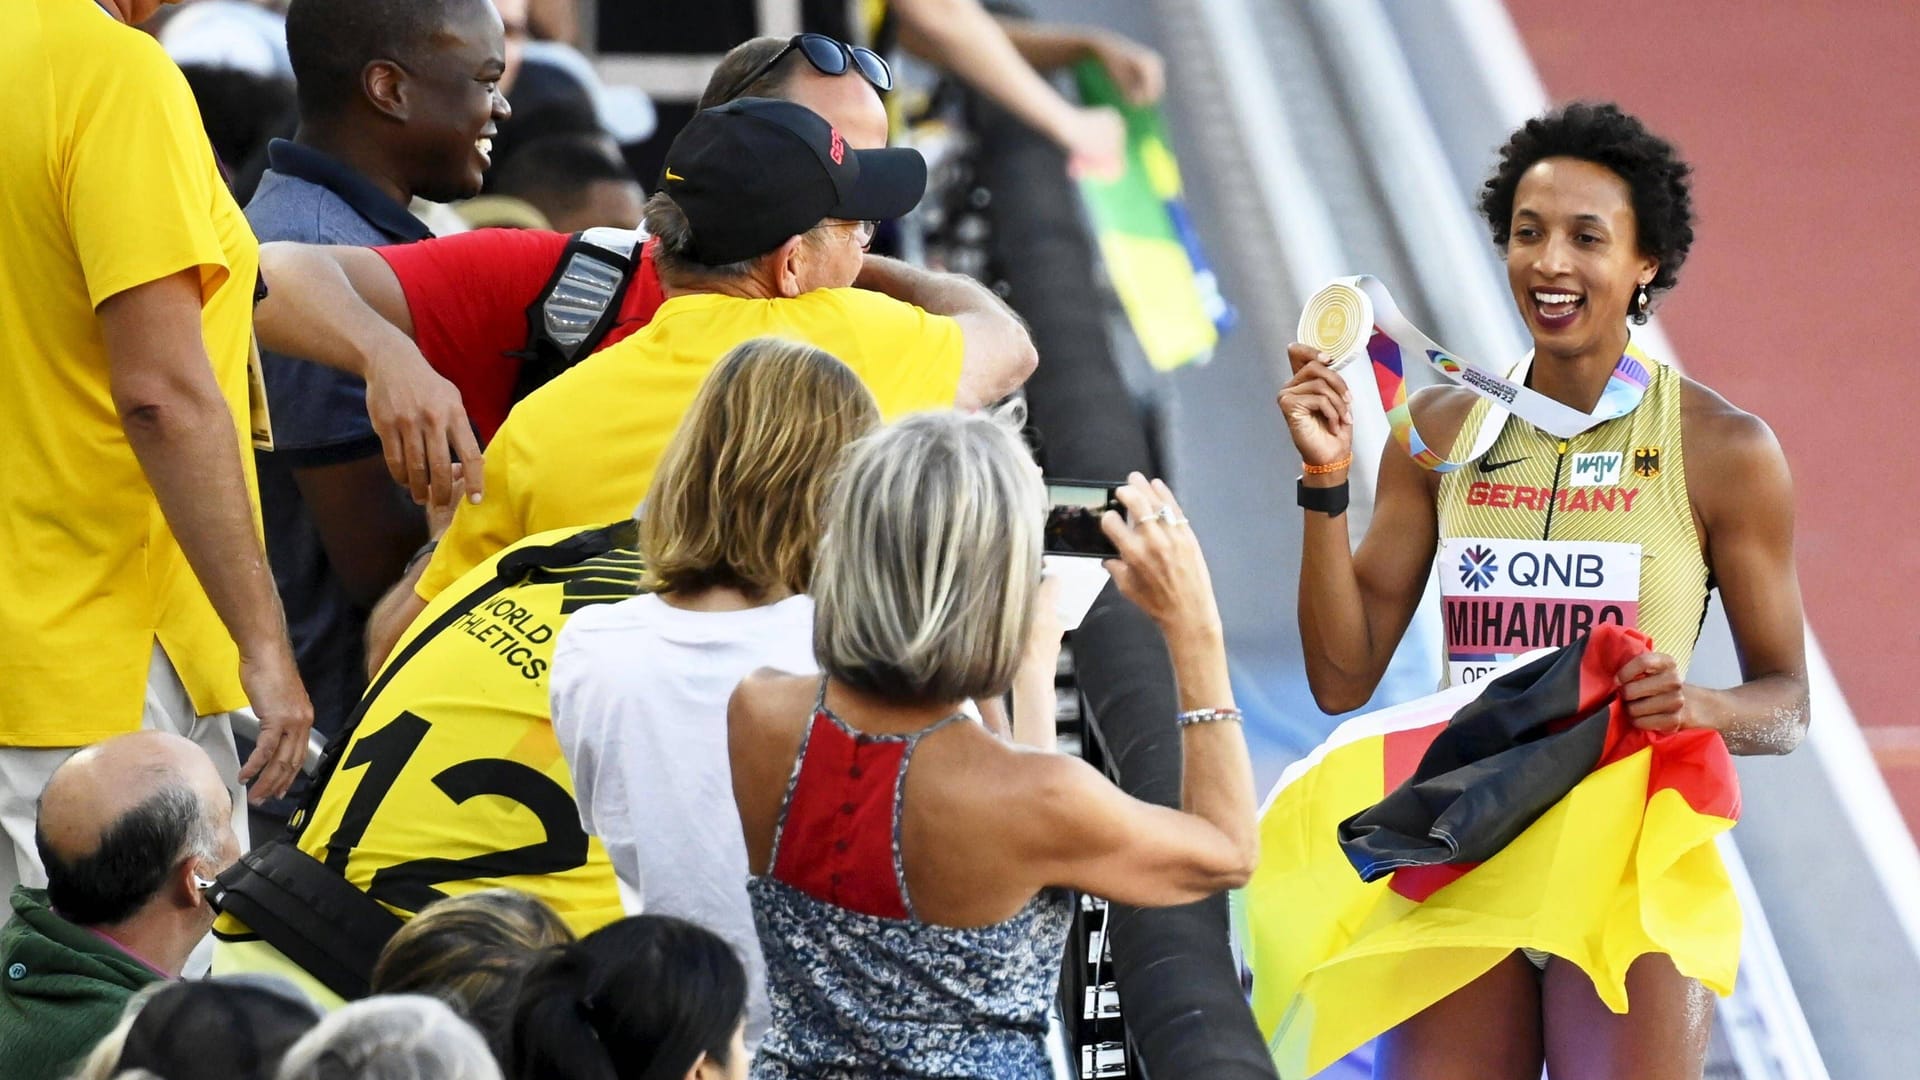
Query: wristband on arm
{"points": [[1331, 501]]}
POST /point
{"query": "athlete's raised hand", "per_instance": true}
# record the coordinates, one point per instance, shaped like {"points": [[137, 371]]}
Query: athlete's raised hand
{"points": [[1318, 407], [1655, 697]]}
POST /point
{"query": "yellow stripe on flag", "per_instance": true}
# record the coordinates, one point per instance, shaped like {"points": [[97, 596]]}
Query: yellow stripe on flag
{"points": [[1605, 876]]}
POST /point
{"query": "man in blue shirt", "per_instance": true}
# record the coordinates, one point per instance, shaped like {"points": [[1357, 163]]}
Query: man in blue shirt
{"points": [[396, 101]]}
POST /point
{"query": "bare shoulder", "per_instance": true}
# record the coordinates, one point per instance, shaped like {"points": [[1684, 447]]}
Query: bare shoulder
{"points": [[769, 693], [1723, 441]]}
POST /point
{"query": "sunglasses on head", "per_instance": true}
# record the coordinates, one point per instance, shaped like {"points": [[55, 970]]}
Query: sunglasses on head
{"points": [[831, 56]]}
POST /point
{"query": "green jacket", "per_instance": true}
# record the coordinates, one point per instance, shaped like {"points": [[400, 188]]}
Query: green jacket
{"points": [[61, 990]]}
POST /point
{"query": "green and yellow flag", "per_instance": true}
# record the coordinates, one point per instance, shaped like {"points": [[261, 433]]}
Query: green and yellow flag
{"points": [[1147, 239]]}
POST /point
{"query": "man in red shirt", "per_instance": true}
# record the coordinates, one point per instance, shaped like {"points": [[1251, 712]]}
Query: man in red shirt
{"points": [[462, 301]]}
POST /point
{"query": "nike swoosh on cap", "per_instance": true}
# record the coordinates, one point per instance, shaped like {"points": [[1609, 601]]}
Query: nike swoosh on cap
{"points": [[1496, 466], [671, 175]]}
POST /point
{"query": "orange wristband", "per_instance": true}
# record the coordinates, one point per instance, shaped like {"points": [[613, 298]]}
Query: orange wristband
{"points": [[1329, 467]]}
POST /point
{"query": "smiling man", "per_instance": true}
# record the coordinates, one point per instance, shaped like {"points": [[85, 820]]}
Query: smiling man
{"points": [[396, 100]]}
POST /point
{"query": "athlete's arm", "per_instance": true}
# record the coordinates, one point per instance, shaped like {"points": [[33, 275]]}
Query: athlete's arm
{"points": [[998, 353], [342, 307], [1743, 494], [182, 431], [1355, 605]]}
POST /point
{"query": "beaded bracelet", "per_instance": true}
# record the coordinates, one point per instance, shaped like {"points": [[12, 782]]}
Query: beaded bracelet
{"points": [[1329, 467], [1208, 716]]}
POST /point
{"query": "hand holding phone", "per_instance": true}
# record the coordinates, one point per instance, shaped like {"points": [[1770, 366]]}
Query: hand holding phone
{"points": [[1073, 518]]}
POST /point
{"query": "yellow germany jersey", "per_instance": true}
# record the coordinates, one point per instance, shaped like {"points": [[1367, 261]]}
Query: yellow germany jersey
{"points": [[450, 779], [1541, 538]]}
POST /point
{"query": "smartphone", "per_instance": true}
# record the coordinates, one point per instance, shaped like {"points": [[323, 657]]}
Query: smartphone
{"points": [[1073, 518]]}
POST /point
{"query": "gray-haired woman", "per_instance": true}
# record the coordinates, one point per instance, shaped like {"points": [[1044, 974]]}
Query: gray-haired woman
{"points": [[914, 922], [391, 1037]]}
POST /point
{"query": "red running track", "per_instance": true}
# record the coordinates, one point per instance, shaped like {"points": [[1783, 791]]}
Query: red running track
{"points": [[1802, 122]]}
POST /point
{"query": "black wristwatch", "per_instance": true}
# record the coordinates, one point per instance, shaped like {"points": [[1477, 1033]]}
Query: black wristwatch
{"points": [[1331, 501]]}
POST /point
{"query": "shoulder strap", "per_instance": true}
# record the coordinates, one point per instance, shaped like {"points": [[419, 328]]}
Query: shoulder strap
{"points": [[332, 930], [793, 781], [579, 305]]}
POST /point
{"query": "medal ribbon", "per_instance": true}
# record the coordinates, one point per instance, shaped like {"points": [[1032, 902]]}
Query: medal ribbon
{"points": [[1406, 361]]}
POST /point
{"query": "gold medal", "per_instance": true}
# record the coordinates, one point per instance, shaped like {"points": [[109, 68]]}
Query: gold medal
{"points": [[1338, 320]]}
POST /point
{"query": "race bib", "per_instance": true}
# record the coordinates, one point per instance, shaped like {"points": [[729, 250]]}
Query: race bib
{"points": [[1502, 598]]}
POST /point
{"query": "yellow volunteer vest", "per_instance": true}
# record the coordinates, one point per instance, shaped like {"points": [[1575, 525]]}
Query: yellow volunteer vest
{"points": [[451, 780], [1542, 538]]}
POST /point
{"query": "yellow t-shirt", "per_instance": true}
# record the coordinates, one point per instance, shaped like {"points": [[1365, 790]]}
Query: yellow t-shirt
{"points": [[108, 183], [451, 780], [583, 447]]}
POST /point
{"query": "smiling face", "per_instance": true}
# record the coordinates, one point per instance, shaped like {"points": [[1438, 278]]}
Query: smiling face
{"points": [[1573, 258], [455, 104]]}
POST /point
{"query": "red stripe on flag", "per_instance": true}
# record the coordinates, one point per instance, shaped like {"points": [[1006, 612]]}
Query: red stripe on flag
{"points": [[1401, 751], [1693, 763], [1607, 650], [1400, 754], [1416, 883]]}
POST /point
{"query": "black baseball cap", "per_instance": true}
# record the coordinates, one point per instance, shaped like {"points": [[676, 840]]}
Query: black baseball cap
{"points": [[755, 171]]}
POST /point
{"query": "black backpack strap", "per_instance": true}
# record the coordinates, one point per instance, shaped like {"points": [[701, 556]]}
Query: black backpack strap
{"points": [[332, 930], [579, 305]]}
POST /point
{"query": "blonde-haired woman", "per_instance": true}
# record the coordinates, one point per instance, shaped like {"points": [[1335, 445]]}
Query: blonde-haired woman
{"points": [[911, 871], [729, 532]]}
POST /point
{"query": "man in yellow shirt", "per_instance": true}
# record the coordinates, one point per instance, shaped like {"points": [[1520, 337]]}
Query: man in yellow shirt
{"points": [[136, 591], [762, 227]]}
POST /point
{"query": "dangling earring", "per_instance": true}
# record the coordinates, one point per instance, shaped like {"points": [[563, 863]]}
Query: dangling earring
{"points": [[1641, 302]]}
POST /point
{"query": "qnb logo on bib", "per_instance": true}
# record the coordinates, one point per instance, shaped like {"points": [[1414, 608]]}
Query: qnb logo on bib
{"points": [[1505, 598], [1477, 568]]}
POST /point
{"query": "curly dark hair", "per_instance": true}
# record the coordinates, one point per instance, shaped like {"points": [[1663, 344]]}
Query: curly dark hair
{"points": [[1601, 133]]}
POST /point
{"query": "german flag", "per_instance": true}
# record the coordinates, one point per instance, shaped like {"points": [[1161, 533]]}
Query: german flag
{"points": [[1420, 845]]}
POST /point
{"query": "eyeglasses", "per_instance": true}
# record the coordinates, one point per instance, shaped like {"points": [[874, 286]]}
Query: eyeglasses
{"points": [[831, 56], [862, 230]]}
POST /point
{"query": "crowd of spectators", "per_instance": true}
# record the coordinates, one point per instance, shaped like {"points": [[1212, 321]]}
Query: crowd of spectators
{"points": [[600, 800]]}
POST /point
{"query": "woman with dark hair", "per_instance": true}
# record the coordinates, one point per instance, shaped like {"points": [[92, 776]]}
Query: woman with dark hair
{"points": [[646, 998], [1669, 486]]}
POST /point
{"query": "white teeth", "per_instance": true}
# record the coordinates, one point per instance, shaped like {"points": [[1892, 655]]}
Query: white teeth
{"points": [[485, 146], [1555, 298]]}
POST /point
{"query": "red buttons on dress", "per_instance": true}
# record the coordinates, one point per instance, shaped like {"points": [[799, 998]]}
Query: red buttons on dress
{"points": [[839, 845], [846, 808]]}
